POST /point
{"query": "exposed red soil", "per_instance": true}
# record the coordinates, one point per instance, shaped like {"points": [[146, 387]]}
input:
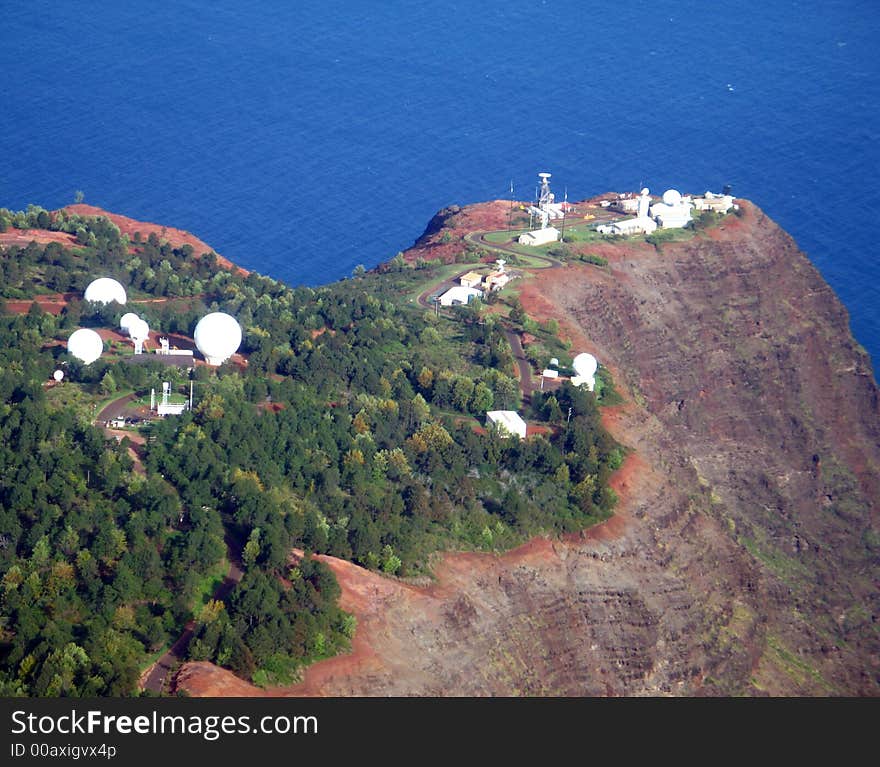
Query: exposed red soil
{"points": [[453, 223], [175, 237], [48, 304], [23, 237]]}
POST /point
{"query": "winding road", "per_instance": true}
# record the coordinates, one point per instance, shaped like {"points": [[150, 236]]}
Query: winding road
{"points": [[524, 367], [156, 678]]}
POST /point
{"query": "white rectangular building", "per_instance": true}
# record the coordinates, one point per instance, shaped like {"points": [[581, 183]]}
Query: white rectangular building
{"points": [[459, 295], [470, 279], [507, 421], [539, 236]]}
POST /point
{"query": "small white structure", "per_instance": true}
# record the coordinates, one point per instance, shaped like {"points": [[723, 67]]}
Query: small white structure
{"points": [[641, 224], [539, 236], [674, 212], [458, 294], [628, 227], [165, 406], [717, 203], [626, 203], [554, 362], [585, 366], [470, 279], [165, 350], [507, 421], [496, 280], [85, 344], [139, 332], [548, 373], [58, 375], [217, 336], [104, 290]]}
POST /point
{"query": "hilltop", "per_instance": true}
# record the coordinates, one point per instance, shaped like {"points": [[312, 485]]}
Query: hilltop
{"points": [[742, 556]]}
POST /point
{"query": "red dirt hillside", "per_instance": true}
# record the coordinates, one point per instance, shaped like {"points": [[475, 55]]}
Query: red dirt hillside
{"points": [[176, 237], [742, 558], [23, 237]]}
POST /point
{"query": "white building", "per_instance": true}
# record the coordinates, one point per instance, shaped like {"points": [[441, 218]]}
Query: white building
{"points": [[674, 212], [458, 294], [165, 350], [496, 280], [626, 203], [539, 236], [507, 421], [628, 227], [718, 203], [470, 279]]}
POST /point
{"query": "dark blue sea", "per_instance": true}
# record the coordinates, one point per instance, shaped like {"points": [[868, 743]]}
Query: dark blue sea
{"points": [[302, 138]]}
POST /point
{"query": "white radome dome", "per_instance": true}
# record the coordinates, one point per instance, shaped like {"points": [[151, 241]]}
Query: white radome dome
{"points": [[138, 329], [126, 321], [104, 290], [58, 375], [585, 365], [217, 337], [85, 344], [672, 197]]}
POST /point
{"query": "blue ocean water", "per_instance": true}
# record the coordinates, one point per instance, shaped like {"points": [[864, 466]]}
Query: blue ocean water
{"points": [[301, 139]]}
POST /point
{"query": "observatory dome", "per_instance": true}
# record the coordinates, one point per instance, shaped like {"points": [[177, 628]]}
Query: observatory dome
{"points": [[104, 290], [672, 197], [127, 320], [138, 329], [645, 192], [217, 337], [85, 344]]}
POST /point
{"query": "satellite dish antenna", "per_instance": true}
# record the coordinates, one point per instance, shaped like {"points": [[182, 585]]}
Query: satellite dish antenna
{"points": [[85, 344], [217, 336], [126, 321], [58, 375], [139, 331], [104, 290], [672, 197]]}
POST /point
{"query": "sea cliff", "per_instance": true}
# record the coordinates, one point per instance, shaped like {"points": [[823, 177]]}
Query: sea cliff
{"points": [[743, 556]]}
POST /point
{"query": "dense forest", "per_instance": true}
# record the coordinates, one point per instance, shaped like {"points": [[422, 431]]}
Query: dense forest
{"points": [[355, 429]]}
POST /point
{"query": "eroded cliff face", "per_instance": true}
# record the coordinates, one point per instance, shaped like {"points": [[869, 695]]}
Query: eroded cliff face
{"points": [[744, 556]]}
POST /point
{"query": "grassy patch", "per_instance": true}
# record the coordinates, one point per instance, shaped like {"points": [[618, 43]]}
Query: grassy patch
{"points": [[793, 666], [210, 583], [790, 570]]}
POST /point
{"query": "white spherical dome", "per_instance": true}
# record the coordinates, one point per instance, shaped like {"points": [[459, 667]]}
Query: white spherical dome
{"points": [[58, 375], [585, 365], [217, 337], [85, 344], [672, 197], [104, 290], [138, 329], [645, 192], [126, 321]]}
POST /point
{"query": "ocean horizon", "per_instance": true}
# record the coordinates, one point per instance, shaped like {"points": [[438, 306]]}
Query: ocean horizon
{"points": [[301, 141]]}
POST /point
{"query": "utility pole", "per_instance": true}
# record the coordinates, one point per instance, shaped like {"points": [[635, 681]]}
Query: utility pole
{"points": [[564, 209], [510, 210]]}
